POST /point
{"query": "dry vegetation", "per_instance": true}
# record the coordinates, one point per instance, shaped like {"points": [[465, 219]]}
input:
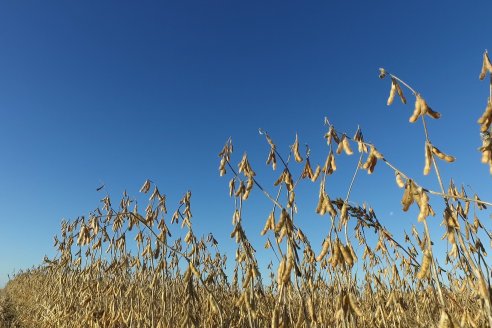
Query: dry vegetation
{"points": [[121, 267]]}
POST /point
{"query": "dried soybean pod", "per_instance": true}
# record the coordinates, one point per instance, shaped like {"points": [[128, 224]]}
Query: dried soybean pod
{"points": [[280, 178], [241, 190], [333, 164], [392, 92], [407, 198], [292, 196], [324, 250], [248, 188], [336, 256], [269, 224], [329, 135], [426, 109], [287, 271], [320, 208], [354, 306], [486, 117], [329, 167], [400, 93], [232, 186], [486, 65], [352, 252], [295, 150], [418, 109], [377, 154], [343, 214], [346, 145], [372, 165], [281, 271], [347, 256], [369, 159], [308, 171], [247, 278], [482, 285], [399, 180], [340, 146], [424, 206], [428, 159], [442, 155], [316, 174], [329, 206], [432, 113], [272, 159], [425, 267]]}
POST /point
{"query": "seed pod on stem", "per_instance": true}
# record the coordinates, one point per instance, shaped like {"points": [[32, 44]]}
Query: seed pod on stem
{"points": [[281, 271], [232, 186], [247, 278], [340, 146], [329, 167], [269, 224], [399, 180], [343, 214], [307, 172], [400, 92], [430, 112], [347, 256], [407, 198], [442, 155], [320, 209], [288, 269], [486, 66], [331, 135], [486, 119], [353, 304], [417, 110], [292, 197], [346, 145], [248, 188], [424, 206], [324, 250], [361, 146], [371, 161], [395, 88], [426, 264], [222, 170], [352, 252], [316, 174], [272, 158], [295, 150], [392, 93], [428, 159], [336, 256]]}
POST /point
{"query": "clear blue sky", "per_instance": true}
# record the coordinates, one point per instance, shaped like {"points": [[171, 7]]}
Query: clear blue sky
{"points": [[121, 91]]}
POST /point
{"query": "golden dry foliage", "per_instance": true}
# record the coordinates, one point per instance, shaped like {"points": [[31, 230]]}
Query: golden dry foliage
{"points": [[125, 265]]}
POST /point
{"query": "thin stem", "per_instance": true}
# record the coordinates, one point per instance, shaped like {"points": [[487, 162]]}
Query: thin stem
{"points": [[353, 177], [349, 190]]}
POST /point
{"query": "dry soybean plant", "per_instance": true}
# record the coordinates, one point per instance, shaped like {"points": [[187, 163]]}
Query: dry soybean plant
{"points": [[121, 267]]}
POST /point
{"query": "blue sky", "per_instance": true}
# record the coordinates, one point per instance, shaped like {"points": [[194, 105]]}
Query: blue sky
{"points": [[116, 92]]}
